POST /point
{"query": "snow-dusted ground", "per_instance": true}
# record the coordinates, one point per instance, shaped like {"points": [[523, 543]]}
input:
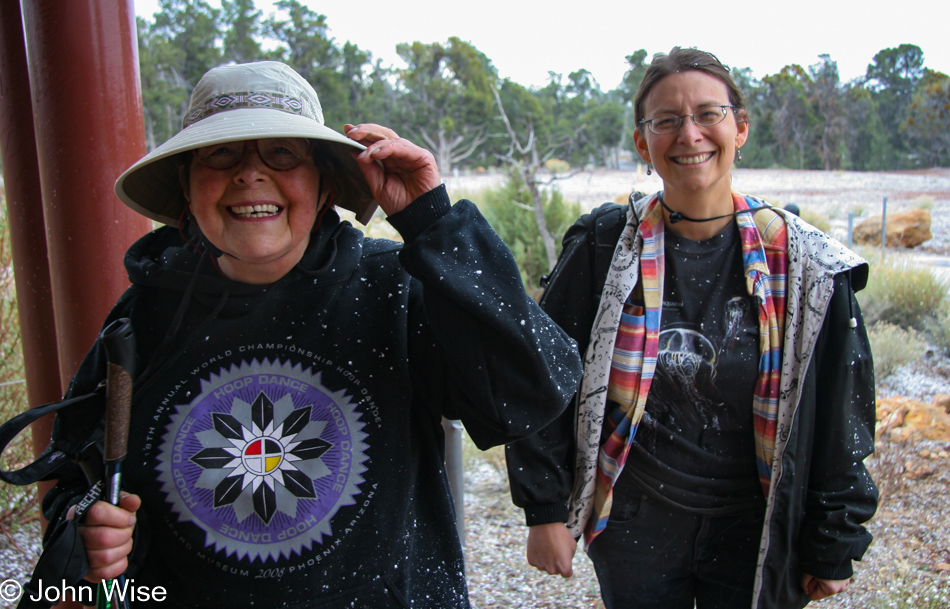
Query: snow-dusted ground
{"points": [[831, 193]]}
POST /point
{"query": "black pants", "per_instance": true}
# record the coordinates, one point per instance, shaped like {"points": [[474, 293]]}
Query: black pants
{"points": [[653, 556]]}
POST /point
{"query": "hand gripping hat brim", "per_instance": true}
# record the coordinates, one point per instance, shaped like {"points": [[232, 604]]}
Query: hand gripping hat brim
{"points": [[242, 102]]}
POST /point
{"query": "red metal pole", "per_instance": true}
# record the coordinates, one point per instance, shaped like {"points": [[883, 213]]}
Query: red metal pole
{"points": [[87, 108], [21, 180]]}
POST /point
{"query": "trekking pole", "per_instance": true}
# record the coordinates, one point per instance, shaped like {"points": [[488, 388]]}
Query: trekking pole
{"points": [[119, 343]]}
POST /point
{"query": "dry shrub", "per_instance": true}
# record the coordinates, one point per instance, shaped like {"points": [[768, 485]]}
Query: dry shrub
{"points": [[557, 166], [902, 293], [938, 328], [893, 346], [816, 219], [15, 501], [923, 202]]}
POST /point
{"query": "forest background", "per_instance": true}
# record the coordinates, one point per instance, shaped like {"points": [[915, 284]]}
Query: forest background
{"points": [[448, 96]]}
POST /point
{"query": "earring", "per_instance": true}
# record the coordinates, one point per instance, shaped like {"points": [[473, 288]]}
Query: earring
{"points": [[649, 169], [738, 154]]}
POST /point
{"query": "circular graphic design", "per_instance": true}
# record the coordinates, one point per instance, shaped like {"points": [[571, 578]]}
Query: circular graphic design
{"points": [[262, 459]]}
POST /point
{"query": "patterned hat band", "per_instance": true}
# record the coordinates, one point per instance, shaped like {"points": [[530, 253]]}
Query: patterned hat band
{"points": [[235, 102], [249, 99]]}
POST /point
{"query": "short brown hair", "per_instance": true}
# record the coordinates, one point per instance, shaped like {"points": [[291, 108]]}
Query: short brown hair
{"points": [[682, 60]]}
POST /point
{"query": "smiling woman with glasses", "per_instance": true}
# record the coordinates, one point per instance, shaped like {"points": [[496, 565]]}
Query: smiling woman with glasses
{"points": [[714, 457]]}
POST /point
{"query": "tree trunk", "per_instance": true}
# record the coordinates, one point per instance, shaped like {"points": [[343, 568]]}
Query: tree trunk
{"points": [[528, 173]]}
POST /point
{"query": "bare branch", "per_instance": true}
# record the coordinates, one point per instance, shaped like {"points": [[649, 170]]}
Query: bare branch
{"points": [[478, 139], [555, 177], [427, 139], [523, 149]]}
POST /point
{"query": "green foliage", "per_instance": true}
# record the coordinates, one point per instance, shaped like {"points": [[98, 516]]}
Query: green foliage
{"points": [[866, 138], [448, 102], [634, 75], [604, 126], [336, 73], [893, 346], [508, 210], [241, 38], [180, 45], [902, 293], [928, 119], [784, 109], [826, 97], [892, 77], [896, 69]]}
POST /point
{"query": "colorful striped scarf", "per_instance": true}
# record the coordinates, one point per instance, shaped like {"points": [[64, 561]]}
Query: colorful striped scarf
{"points": [[633, 362]]}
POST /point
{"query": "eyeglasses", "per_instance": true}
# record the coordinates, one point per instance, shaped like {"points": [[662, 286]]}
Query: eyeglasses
{"points": [[669, 123], [280, 154]]}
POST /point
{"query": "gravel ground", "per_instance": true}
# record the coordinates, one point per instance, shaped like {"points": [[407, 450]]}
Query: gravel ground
{"points": [[908, 565], [908, 562]]}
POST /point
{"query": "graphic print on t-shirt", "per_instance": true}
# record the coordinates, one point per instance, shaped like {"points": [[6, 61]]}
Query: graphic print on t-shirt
{"points": [[262, 459], [688, 363]]}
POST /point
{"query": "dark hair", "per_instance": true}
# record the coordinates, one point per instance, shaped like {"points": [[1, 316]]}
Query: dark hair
{"points": [[683, 60], [332, 172]]}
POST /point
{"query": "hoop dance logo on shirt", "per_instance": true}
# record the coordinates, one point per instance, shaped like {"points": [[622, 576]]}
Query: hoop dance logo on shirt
{"points": [[262, 459]]}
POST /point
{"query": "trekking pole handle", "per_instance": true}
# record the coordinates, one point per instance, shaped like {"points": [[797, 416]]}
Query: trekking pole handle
{"points": [[119, 343]]}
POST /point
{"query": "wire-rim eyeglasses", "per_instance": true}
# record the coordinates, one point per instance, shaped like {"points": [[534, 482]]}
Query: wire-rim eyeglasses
{"points": [[707, 116]]}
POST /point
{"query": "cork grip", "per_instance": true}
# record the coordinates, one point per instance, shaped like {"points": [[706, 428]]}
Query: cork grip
{"points": [[118, 402], [119, 343]]}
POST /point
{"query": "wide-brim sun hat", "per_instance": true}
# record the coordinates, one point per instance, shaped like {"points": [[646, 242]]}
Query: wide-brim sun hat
{"points": [[231, 103]]}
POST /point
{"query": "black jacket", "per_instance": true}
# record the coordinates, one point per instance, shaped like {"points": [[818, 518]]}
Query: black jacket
{"points": [[286, 440], [822, 493]]}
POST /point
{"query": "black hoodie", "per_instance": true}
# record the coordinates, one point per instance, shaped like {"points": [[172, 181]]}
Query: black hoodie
{"points": [[286, 440]]}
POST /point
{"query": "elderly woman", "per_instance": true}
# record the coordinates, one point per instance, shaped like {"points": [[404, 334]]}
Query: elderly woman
{"points": [[286, 446], [728, 395]]}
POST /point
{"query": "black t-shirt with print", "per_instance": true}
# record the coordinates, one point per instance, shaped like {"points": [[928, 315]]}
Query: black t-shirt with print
{"points": [[695, 446]]}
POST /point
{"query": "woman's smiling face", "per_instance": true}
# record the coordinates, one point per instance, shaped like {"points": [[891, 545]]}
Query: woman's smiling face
{"points": [[261, 218], [692, 160]]}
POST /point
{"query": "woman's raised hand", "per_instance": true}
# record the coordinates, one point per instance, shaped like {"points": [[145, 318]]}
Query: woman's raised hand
{"points": [[398, 171]]}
